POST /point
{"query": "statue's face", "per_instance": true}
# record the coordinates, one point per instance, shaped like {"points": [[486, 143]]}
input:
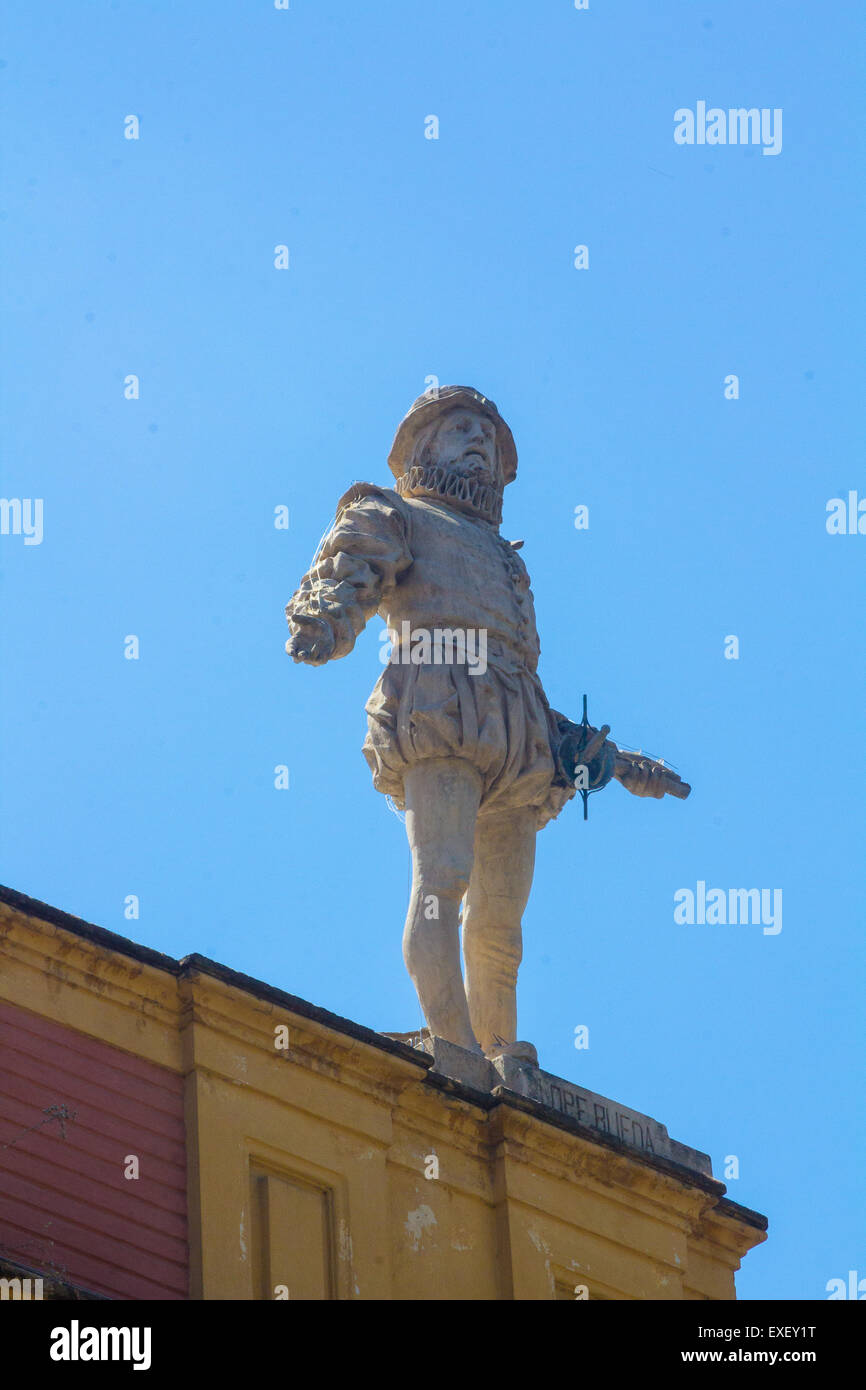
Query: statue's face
{"points": [[466, 442]]}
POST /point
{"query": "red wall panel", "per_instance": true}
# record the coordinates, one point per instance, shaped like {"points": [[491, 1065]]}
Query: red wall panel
{"points": [[65, 1205]]}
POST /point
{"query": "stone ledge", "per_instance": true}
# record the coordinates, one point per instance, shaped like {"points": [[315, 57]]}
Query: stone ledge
{"points": [[591, 1111]]}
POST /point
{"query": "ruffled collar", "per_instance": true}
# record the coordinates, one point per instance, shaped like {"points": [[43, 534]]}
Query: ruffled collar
{"points": [[444, 485]]}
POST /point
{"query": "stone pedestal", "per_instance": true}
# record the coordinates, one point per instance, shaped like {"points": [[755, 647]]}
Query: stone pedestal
{"points": [[585, 1108]]}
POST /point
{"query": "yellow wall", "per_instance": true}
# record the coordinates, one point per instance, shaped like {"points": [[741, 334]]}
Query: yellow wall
{"points": [[307, 1166]]}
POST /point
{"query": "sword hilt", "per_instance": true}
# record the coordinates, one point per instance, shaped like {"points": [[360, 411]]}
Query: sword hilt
{"points": [[583, 744]]}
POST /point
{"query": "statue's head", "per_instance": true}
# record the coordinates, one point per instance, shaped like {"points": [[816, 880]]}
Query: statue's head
{"points": [[454, 445]]}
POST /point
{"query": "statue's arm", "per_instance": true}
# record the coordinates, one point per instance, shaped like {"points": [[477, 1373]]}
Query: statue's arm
{"points": [[360, 559]]}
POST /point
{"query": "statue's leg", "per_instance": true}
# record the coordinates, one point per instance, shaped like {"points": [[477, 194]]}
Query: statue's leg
{"points": [[442, 796], [492, 941]]}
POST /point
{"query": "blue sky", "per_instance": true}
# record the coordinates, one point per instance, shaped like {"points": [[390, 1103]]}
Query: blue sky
{"points": [[454, 257]]}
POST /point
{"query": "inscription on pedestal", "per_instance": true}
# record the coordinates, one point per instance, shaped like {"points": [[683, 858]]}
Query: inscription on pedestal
{"points": [[599, 1113], [605, 1116]]}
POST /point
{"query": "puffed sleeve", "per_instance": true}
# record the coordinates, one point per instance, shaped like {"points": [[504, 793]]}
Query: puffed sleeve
{"points": [[359, 560]]}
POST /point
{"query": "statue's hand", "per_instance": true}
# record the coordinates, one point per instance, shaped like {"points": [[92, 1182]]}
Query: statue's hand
{"points": [[312, 641], [643, 779], [589, 749]]}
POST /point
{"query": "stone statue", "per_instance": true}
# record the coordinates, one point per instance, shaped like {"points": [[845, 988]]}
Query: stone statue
{"points": [[459, 731]]}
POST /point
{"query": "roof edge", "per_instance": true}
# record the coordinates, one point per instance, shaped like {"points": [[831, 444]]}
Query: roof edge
{"points": [[145, 955]]}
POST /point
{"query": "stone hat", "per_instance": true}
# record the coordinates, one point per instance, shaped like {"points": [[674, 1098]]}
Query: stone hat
{"points": [[435, 402]]}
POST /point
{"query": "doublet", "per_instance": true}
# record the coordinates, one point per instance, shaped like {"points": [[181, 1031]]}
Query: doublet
{"points": [[423, 565]]}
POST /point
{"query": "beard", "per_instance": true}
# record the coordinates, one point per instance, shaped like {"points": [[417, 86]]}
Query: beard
{"points": [[471, 490]]}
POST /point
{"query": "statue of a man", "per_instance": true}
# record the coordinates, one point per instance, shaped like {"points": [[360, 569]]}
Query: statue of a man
{"points": [[469, 747]]}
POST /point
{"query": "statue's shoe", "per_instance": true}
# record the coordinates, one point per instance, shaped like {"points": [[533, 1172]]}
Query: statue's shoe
{"points": [[520, 1051]]}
